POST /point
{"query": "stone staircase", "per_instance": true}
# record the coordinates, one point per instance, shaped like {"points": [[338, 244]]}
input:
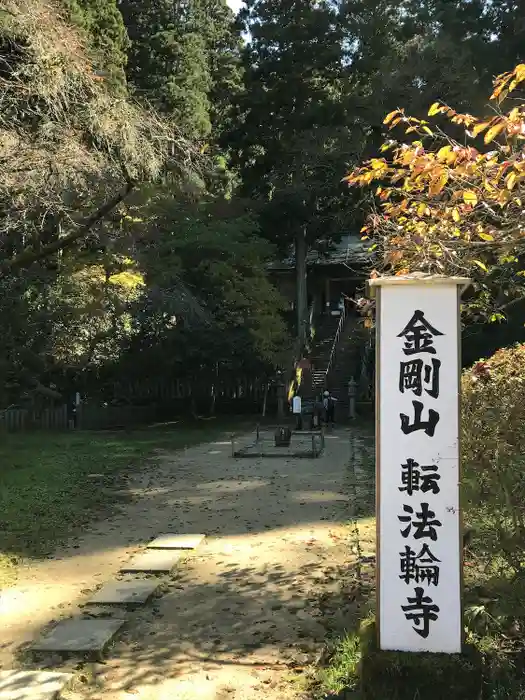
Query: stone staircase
{"points": [[325, 330], [345, 364]]}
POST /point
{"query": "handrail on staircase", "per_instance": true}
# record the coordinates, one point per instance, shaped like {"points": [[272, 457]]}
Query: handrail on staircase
{"points": [[338, 332]]}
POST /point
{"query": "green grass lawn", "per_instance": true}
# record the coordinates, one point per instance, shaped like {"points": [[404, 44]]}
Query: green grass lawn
{"points": [[47, 493]]}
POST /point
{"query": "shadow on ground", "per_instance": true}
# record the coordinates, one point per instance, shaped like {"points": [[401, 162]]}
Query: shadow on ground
{"points": [[254, 617], [272, 581]]}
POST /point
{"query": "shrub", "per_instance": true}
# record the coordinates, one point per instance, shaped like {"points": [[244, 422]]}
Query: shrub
{"points": [[493, 451]]}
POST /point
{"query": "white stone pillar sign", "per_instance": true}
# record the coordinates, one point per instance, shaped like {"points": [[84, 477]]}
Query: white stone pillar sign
{"points": [[417, 466]]}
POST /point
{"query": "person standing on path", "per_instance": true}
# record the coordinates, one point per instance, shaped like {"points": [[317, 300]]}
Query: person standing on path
{"points": [[329, 407], [317, 413]]}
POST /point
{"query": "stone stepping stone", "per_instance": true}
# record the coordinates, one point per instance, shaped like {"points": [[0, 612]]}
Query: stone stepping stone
{"points": [[32, 685], [124, 593], [78, 635], [152, 561], [177, 541]]}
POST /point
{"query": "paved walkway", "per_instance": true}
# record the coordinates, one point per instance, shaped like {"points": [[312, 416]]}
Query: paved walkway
{"points": [[240, 612]]}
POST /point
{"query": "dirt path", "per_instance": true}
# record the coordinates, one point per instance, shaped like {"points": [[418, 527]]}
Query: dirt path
{"points": [[239, 614]]}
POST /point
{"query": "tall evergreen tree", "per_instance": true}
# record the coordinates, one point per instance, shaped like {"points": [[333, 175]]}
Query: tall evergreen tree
{"points": [[182, 58], [415, 52], [291, 141], [505, 33], [408, 53], [412, 53], [103, 22], [492, 32], [224, 46], [320, 76]]}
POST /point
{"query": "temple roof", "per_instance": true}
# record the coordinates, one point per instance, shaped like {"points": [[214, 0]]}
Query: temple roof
{"points": [[350, 249]]}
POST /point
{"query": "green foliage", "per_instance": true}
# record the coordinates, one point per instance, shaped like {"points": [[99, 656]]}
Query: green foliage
{"points": [[183, 59], [71, 153], [69, 160], [280, 119], [89, 307], [205, 264], [399, 55], [493, 488], [75, 317], [306, 114], [493, 445], [224, 57], [102, 21], [290, 141]]}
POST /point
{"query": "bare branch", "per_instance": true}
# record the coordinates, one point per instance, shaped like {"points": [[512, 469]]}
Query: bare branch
{"points": [[28, 256]]}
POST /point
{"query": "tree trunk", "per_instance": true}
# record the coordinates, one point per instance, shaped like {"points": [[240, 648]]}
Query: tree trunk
{"points": [[214, 385], [302, 291], [265, 399]]}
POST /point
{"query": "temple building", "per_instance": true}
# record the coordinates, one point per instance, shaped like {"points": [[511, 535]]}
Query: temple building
{"points": [[339, 273]]}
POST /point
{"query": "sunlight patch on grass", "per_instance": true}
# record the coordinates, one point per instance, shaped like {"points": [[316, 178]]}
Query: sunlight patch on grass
{"points": [[342, 672], [53, 483]]}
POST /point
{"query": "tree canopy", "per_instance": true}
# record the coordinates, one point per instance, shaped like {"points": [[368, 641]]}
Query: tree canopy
{"points": [[157, 156], [184, 59], [71, 152], [290, 135], [103, 23], [454, 205]]}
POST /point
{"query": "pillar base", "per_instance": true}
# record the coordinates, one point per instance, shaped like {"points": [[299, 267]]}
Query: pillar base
{"points": [[394, 675]]}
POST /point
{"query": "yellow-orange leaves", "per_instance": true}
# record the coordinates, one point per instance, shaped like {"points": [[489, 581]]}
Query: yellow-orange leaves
{"points": [[470, 197], [493, 132], [438, 183], [445, 205]]}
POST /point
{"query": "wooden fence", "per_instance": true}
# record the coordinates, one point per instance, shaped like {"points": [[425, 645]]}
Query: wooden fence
{"points": [[201, 389], [142, 404], [17, 419]]}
